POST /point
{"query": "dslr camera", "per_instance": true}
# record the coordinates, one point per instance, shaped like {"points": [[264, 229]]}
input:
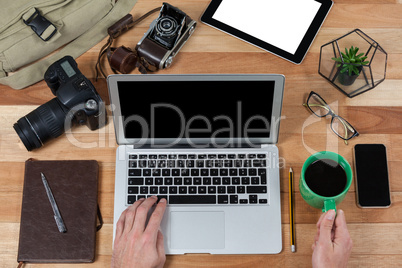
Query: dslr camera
{"points": [[164, 38], [76, 102]]}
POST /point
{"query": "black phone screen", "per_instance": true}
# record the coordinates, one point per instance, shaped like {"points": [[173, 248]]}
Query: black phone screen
{"points": [[372, 175]]}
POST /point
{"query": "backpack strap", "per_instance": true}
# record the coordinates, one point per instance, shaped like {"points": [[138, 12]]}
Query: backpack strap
{"points": [[34, 72]]}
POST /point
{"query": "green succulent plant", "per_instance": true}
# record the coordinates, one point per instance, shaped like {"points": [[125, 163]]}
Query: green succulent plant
{"points": [[350, 61]]}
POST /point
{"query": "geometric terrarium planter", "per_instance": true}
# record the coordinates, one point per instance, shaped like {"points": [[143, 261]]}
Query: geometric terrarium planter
{"points": [[353, 63]]}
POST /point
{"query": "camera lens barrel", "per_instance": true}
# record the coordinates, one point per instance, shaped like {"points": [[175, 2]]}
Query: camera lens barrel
{"points": [[42, 124]]}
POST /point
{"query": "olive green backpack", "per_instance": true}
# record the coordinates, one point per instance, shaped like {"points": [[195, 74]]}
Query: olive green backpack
{"points": [[36, 33]]}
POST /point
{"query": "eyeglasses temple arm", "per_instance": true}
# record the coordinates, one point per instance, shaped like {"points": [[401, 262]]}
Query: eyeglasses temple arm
{"points": [[317, 105]]}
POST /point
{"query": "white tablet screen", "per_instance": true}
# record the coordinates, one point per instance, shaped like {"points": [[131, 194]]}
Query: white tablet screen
{"points": [[282, 23]]}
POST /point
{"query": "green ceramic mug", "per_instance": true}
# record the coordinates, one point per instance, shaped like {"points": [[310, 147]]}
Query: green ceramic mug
{"points": [[319, 201]]}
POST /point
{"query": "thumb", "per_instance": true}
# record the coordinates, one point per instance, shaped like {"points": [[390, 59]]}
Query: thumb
{"points": [[326, 226], [160, 247]]}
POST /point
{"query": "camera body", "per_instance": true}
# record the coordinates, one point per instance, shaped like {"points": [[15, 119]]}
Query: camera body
{"points": [[76, 93], [76, 102], [164, 38]]}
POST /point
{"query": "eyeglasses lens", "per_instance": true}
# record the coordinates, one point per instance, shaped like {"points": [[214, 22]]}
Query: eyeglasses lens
{"points": [[318, 105], [342, 128]]}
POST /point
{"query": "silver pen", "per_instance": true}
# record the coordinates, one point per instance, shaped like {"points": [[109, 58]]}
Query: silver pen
{"points": [[57, 215]]}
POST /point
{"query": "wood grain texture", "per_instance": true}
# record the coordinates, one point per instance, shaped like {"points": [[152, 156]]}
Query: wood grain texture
{"points": [[376, 114]]}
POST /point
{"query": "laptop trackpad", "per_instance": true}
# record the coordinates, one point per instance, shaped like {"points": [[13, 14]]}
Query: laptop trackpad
{"points": [[197, 230]]}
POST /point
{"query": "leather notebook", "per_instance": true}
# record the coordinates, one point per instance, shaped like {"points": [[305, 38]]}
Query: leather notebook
{"points": [[74, 185]]}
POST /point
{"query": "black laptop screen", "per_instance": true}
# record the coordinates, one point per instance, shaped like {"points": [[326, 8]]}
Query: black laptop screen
{"points": [[196, 109]]}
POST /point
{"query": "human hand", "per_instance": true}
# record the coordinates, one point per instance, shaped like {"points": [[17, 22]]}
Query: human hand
{"points": [[332, 244], [135, 244]]}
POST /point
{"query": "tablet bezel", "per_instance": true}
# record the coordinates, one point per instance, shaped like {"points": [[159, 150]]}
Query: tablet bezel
{"points": [[303, 47]]}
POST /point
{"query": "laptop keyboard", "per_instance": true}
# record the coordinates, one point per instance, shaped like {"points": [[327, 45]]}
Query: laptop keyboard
{"points": [[224, 179]]}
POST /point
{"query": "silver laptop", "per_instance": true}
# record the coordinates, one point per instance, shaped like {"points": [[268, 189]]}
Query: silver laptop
{"points": [[206, 143]]}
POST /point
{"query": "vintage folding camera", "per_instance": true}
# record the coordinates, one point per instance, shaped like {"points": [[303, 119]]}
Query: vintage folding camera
{"points": [[76, 102], [164, 38]]}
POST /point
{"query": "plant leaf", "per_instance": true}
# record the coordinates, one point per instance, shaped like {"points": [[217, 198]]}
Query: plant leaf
{"points": [[344, 55], [350, 69], [351, 59], [361, 54]]}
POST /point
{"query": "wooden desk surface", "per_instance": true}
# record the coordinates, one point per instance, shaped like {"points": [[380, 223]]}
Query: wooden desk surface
{"points": [[376, 114]]}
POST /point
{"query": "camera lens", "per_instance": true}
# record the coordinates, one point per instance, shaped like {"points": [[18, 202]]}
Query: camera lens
{"points": [[42, 124], [166, 26]]}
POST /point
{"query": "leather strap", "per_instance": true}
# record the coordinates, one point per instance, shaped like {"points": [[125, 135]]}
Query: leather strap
{"points": [[100, 219], [120, 26]]}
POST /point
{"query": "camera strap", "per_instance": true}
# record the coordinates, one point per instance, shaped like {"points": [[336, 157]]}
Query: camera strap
{"points": [[122, 59]]}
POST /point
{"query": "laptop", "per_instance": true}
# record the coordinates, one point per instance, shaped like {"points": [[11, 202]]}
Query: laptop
{"points": [[206, 143]]}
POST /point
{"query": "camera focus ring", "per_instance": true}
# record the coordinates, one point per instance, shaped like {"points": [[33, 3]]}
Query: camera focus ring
{"points": [[166, 26], [49, 114]]}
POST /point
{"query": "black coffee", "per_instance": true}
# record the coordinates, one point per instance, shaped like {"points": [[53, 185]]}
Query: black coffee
{"points": [[325, 177]]}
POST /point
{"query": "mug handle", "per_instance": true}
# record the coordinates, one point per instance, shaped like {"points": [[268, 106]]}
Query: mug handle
{"points": [[328, 205]]}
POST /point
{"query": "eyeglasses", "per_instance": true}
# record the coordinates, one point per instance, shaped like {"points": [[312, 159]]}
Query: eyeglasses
{"points": [[339, 126]]}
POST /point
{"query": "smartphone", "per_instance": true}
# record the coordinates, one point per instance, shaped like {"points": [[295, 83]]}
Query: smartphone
{"points": [[371, 170]]}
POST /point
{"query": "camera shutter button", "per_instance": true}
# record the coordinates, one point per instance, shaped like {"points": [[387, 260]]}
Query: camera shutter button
{"points": [[91, 104]]}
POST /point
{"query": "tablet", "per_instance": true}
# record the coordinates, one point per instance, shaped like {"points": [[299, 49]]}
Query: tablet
{"points": [[285, 28]]}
